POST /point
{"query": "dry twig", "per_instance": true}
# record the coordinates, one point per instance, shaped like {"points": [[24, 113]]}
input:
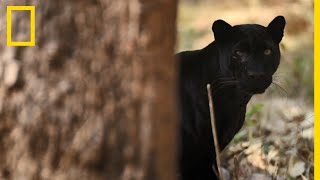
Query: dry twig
{"points": [[214, 131]]}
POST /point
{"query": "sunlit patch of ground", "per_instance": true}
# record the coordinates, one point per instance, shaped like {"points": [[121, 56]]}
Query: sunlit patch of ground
{"points": [[276, 141]]}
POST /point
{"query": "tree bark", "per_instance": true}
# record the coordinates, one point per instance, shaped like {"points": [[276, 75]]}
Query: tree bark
{"points": [[95, 98]]}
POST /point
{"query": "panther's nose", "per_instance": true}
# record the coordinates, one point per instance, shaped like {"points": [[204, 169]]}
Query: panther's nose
{"points": [[256, 75]]}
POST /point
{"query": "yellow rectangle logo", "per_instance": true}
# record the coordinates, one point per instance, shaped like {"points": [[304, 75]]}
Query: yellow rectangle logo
{"points": [[32, 26]]}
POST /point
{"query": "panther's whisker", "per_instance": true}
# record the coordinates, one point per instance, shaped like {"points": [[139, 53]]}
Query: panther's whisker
{"points": [[216, 85], [275, 77], [222, 79], [281, 88], [223, 82], [221, 86], [281, 73], [273, 88]]}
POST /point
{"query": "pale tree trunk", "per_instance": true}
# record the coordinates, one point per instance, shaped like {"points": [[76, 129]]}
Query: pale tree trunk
{"points": [[95, 98]]}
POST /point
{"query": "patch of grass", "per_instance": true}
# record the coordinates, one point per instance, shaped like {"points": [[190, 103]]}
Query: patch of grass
{"points": [[303, 75], [256, 108]]}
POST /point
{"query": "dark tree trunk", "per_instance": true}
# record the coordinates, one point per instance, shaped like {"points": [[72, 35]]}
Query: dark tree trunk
{"points": [[95, 98]]}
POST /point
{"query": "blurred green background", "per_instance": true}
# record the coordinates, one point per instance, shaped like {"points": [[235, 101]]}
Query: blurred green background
{"points": [[277, 138]]}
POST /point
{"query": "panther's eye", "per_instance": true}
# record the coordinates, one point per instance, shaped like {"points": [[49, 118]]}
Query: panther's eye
{"points": [[237, 54], [267, 52]]}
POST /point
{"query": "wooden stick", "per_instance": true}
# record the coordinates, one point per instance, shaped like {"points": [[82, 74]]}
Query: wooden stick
{"points": [[214, 131]]}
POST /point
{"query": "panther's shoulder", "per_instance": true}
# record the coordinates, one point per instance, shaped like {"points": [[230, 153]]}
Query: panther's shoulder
{"points": [[194, 65], [189, 60], [184, 56]]}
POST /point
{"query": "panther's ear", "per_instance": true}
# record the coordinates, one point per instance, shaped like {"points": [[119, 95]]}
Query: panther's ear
{"points": [[221, 30], [276, 27]]}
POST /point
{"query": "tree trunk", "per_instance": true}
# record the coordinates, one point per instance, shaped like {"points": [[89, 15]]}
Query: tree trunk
{"points": [[95, 98]]}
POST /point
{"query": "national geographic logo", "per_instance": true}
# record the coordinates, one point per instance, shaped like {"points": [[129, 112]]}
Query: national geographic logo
{"points": [[32, 26]]}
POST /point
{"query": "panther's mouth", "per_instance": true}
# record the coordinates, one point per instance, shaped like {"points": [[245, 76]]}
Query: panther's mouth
{"points": [[254, 88]]}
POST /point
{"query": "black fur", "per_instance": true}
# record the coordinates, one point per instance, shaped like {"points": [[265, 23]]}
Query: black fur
{"points": [[238, 64]]}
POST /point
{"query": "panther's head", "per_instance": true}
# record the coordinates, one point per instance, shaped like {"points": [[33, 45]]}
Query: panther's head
{"points": [[250, 52]]}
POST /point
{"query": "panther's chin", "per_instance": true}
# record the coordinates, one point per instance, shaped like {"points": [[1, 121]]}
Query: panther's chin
{"points": [[259, 91], [253, 91]]}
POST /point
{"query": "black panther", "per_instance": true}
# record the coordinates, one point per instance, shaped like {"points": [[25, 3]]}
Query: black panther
{"points": [[239, 63]]}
